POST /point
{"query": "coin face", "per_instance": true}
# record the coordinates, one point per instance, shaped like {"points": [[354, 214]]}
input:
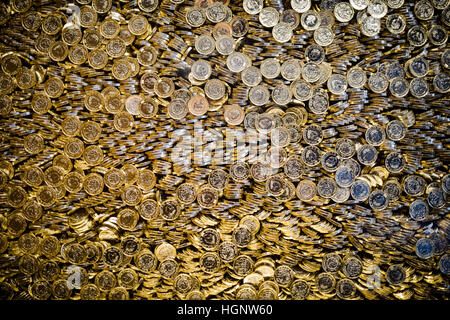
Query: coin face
{"points": [[178, 109], [225, 45], [395, 274], [209, 239], [306, 190], [311, 156], [239, 26], [207, 197], [269, 17], [242, 265], [259, 95], [323, 36], [198, 105], [282, 32], [170, 209], [325, 282], [414, 185], [253, 6], [360, 190], [301, 5]]}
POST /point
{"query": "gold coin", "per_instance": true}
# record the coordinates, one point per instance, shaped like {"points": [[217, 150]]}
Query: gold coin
{"points": [[91, 39], [148, 108], [46, 196], [210, 262], [209, 239], [71, 35], [146, 261], [11, 64], [170, 209], [149, 209], [52, 24], [114, 103], [114, 178], [78, 54], [186, 193], [164, 87], [54, 176], [131, 195], [165, 251], [146, 179], [109, 28], [41, 103], [138, 25], [90, 131], [93, 184], [88, 17], [147, 56], [73, 182], [93, 155], [97, 59], [123, 121], [128, 279], [131, 173], [121, 69], [28, 243], [32, 211], [168, 268], [93, 101], [116, 48], [54, 87], [127, 219], [58, 51], [33, 176], [33, 143], [49, 246], [207, 197]]}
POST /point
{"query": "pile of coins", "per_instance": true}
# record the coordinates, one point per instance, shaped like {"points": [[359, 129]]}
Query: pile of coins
{"points": [[347, 99]]}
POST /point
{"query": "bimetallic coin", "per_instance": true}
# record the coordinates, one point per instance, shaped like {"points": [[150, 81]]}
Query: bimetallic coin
{"points": [[378, 82], [300, 289], [418, 87], [441, 82], [127, 219], [444, 264], [345, 148], [186, 193], [311, 72], [243, 265], [205, 44], [337, 84], [367, 154], [326, 187], [360, 190], [148, 5], [436, 198], [392, 189], [310, 20], [301, 5], [283, 276], [323, 36], [98, 59], [259, 95], [138, 25], [198, 105], [222, 29], [147, 56], [395, 274], [90, 131], [201, 70], [52, 24], [325, 282], [207, 197], [352, 267], [281, 94], [225, 45], [269, 17], [33, 143], [177, 109], [437, 35], [291, 17], [395, 130], [417, 36], [210, 262], [209, 239], [31, 21], [282, 32], [423, 10], [344, 176], [312, 134], [170, 209], [375, 135], [396, 23], [343, 12], [149, 209], [253, 6], [105, 280], [164, 87], [330, 161], [319, 103], [237, 62], [332, 262], [275, 185], [233, 114], [290, 70], [146, 261], [242, 236], [270, 68], [239, 26], [251, 76], [359, 4], [414, 185], [301, 90], [239, 171], [345, 288], [424, 248], [356, 77], [215, 12], [399, 87], [54, 87], [377, 8], [306, 190], [378, 200], [395, 162], [311, 156], [418, 210], [218, 179]]}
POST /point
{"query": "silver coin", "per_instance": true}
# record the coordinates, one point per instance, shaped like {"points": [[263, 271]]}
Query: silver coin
{"points": [[344, 176], [195, 17], [251, 76], [330, 161], [319, 103], [216, 12], [302, 90], [343, 12], [337, 84], [281, 94], [356, 77], [253, 6], [326, 187], [424, 248], [205, 44], [423, 10], [399, 87], [311, 156], [323, 36], [395, 162], [270, 68], [375, 135], [290, 69], [359, 4], [418, 210], [378, 200], [237, 62], [269, 17], [418, 87], [225, 45], [259, 95], [282, 32], [311, 72], [370, 26], [360, 190], [310, 20], [301, 5], [378, 82], [201, 70]]}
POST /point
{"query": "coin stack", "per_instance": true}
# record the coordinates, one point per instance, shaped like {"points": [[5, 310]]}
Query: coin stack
{"points": [[178, 149]]}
